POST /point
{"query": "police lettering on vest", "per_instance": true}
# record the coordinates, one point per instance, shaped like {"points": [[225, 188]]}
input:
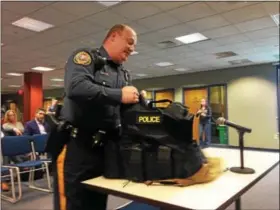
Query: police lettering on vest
{"points": [[148, 119]]}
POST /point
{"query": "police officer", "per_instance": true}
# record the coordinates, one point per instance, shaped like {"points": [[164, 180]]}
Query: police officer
{"points": [[94, 95]]}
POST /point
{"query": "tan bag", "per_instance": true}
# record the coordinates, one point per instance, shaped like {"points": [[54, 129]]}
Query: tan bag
{"points": [[207, 173]]}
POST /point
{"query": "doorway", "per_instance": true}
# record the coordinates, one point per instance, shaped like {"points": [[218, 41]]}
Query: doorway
{"points": [[192, 99], [164, 94], [216, 97]]}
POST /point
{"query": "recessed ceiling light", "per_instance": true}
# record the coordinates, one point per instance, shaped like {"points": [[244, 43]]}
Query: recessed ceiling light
{"points": [[181, 69], [57, 85], [32, 24], [191, 38], [134, 53], [275, 18], [109, 3], [16, 86], [14, 74], [164, 64], [57, 80], [141, 75], [41, 68]]}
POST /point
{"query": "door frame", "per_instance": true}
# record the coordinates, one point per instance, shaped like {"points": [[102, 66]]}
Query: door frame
{"points": [[207, 87], [208, 93], [162, 90]]}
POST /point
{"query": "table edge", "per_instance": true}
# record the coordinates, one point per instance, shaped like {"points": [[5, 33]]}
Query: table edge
{"points": [[245, 189], [138, 198]]}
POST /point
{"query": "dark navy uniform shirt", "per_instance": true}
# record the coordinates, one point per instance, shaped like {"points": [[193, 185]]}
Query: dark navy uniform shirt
{"points": [[93, 96]]}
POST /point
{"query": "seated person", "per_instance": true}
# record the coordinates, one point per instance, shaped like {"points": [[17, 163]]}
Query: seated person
{"points": [[11, 126], [38, 125]]}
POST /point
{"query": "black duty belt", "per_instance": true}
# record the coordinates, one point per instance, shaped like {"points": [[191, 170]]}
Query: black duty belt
{"points": [[97, 138]]}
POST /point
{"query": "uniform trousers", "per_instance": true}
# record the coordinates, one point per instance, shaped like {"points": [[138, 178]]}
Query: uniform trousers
{"points": [[77, 162]]}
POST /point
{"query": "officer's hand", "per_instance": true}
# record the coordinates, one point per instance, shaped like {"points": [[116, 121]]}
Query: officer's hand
{"points": [[130, 95]]}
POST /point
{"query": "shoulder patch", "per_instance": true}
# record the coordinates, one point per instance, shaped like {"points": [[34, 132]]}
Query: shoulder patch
{"points": [[82, 58]]}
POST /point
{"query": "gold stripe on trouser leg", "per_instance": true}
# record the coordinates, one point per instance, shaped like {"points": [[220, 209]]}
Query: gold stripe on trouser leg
{"points": [[60, 179]]}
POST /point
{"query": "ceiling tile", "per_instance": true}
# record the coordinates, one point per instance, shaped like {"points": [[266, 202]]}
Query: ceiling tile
{"points": [[223, 6], [168, 5], [79, 8], [84, 27], [107, 19], [23, 7], [231, 39], [214, 21], [192, 11], [136, 10], [221, 32], [263, 33], [8, 17], [140, 29], [271, 41], [271, 7], [158, 21], [177, 30], [52, 16], [245, 14], [16, 33], [256, 24], [152, 38], [204, 45]]}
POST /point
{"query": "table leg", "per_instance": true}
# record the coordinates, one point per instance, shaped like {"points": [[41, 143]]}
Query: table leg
{"points": [[238, 204]]}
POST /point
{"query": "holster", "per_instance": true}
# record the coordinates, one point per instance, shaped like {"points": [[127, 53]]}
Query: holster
{"points": [[59, 136]]}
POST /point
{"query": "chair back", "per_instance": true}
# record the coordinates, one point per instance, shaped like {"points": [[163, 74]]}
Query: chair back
{"points": [[40, 141], [15, 145]]}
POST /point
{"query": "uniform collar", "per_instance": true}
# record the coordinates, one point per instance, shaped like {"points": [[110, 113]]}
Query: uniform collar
{"points": [[105, 54]]}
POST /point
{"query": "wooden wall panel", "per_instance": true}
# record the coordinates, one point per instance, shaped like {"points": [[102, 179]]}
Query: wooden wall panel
{"points": [[164, 94]]}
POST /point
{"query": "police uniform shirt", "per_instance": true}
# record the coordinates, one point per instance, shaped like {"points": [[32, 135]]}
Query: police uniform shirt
{"points": [[92, 95]]}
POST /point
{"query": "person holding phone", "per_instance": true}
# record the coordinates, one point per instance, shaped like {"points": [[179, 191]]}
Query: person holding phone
{"points": [[205, 115]]}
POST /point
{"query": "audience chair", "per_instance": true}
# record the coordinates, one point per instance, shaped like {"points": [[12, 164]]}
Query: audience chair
{"points": [[9, 173], [20, 145], [38, 144]]}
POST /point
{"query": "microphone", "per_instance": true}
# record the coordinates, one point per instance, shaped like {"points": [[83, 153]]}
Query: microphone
{"points": [[223, 121]]}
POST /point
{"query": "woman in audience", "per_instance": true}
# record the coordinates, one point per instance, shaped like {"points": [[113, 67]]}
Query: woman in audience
{"points": [[205, 116], [11, 125]]}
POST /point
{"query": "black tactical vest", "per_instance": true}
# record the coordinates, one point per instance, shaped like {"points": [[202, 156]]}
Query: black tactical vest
{"points": [[155, 144]]}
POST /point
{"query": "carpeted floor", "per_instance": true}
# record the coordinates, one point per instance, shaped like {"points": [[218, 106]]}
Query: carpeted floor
{"points": [[264, 195]]}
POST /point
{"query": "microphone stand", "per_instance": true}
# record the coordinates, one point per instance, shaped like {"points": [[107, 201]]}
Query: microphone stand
{"points": [[242, 169]]}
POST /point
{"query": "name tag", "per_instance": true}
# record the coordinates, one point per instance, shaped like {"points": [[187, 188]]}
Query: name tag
{"points": [[141, 119]]}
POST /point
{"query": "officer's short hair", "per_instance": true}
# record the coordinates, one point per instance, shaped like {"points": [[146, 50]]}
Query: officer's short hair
{"points": [[115, 28]]}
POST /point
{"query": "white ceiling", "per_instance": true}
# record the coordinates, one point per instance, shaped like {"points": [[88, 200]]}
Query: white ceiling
{"points": [[246, 28]]}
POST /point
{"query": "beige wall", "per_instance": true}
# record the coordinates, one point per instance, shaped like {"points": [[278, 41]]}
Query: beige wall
{"points": [[251, 99]]}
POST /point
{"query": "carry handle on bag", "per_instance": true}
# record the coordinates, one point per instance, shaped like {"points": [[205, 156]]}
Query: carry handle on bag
{"points": [[160, 101]]}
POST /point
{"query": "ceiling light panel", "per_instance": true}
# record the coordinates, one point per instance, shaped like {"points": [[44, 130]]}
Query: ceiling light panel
{"points": [[57, 80], [275, 18], [164, 64], [15, 86], [14, 74], [191, 38], [41, 68], [109, 3], [32, 24]]}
